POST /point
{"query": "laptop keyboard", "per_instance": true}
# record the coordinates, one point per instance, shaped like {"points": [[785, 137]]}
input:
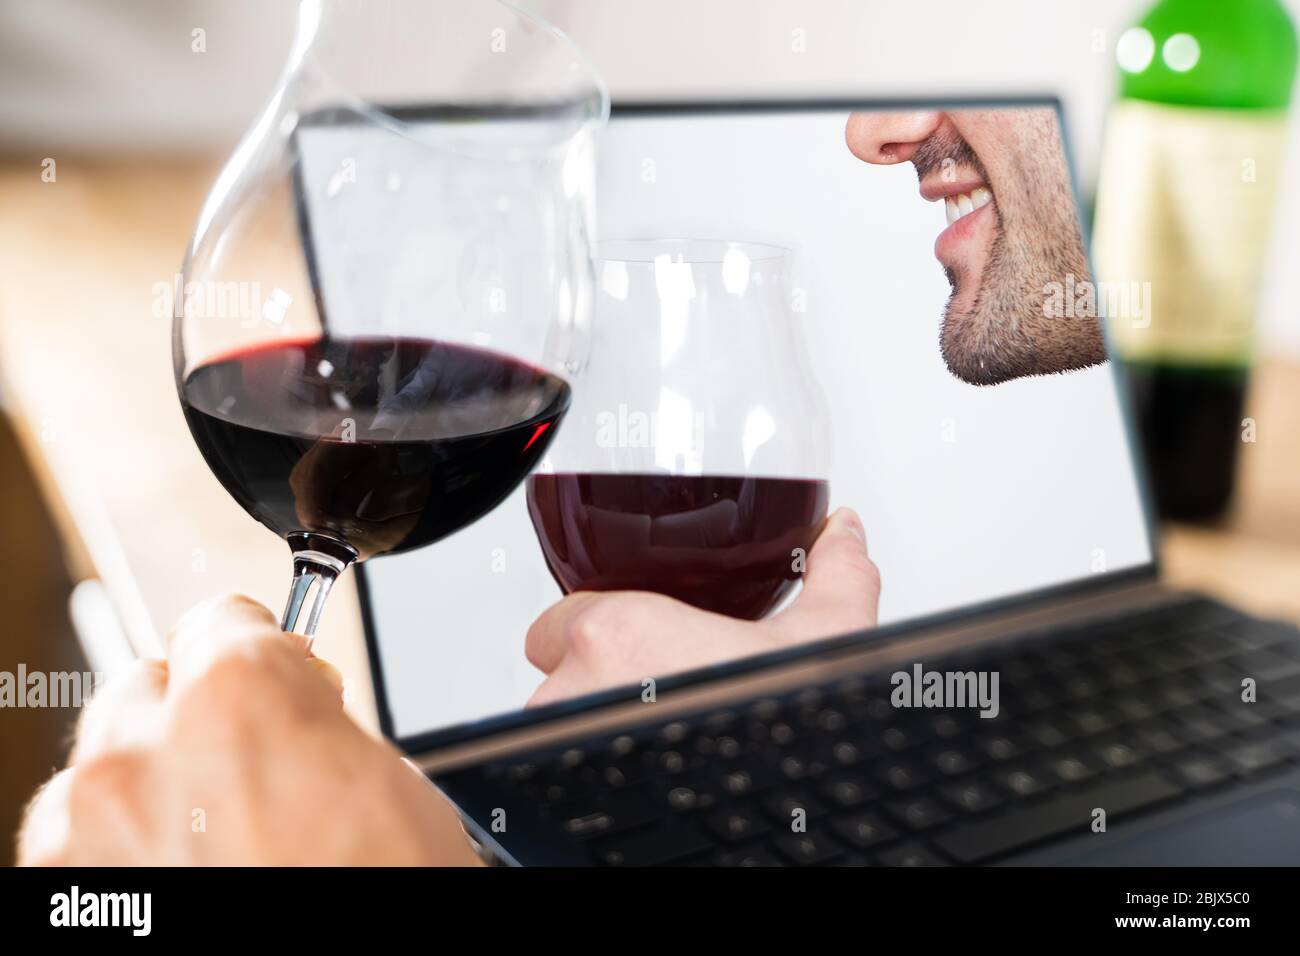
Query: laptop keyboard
{"points": [[1126, 716]]}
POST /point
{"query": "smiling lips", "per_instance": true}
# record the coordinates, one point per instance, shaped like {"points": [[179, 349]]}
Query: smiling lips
{"points": [[963, 204]]}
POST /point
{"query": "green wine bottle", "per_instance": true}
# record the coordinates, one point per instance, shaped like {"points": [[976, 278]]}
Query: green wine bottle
{"points": [[1190, 168]]}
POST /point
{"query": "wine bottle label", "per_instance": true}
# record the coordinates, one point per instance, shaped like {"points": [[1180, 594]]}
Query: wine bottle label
{"points": [[1184, 203]]}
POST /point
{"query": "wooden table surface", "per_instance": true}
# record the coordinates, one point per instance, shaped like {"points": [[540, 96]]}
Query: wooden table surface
{"points": [[85, 370]]}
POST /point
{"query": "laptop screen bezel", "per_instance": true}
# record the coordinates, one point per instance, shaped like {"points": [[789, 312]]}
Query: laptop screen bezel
{"points": [[457, 734]]}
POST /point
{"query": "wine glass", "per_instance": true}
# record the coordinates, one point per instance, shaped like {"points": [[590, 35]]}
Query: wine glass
{"points": [[389, 284], [695, 457]]}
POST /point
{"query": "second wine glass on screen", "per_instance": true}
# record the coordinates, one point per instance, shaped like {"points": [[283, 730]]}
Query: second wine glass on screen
{"points": [[695, 457]]}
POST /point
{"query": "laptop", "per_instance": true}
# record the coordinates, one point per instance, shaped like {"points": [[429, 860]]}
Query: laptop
{"points": [[1029, 692]]}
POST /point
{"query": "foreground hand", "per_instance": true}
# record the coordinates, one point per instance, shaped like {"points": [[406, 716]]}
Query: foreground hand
{"points": [[592, 640], [234, 751]]}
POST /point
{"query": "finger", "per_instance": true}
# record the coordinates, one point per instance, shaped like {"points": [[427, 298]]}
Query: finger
{"points": [[43, 836], [558, 686], [841, 587], [216, 627], [547, 639], [224, 625], [124, 712], [329, 672]]}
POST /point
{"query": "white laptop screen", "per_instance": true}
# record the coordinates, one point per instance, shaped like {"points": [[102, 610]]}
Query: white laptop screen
{"points": [[823, 336]]}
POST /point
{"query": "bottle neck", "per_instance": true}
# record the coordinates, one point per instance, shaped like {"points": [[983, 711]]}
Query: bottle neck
{"points": [[1237, 55]]}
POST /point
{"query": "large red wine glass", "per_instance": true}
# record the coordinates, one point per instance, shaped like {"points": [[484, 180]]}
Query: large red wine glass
{"points": [[695, 457], [389, 289]]}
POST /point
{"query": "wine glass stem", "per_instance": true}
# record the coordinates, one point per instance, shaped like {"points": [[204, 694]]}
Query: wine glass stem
{"points": [[317, 563]]}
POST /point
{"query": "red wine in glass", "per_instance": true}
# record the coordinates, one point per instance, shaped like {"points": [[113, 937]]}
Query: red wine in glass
{"points": [[380, 444], [723, 543]]}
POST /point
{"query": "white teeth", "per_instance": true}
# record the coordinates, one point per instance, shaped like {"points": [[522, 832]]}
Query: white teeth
{"points": [[963, 204]]}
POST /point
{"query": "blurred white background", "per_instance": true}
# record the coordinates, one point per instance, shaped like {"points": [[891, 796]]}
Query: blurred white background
{"points": [[120, 77]]}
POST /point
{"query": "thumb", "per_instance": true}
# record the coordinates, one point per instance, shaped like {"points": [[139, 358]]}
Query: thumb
{"points": [[841, 586]]}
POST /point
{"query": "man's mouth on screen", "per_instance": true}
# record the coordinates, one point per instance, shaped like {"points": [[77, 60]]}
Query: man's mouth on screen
{"points": [[962, 247]]}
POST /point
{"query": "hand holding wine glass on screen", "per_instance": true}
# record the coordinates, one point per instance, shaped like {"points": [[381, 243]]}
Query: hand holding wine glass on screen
{"points": [[593, 640], [692, 468]]}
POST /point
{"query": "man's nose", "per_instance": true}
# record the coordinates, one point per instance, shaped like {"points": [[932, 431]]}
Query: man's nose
{"points": [[890, 137]]}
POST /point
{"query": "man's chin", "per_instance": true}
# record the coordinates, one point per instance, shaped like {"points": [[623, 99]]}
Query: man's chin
{"points": [[973, 352], [979, 349]]}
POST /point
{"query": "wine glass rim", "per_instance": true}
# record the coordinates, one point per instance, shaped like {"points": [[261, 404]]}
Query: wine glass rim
{"points": [[684, 249]]}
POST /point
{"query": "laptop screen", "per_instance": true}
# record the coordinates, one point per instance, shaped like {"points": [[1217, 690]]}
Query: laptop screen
{"points": [[798, 309]]}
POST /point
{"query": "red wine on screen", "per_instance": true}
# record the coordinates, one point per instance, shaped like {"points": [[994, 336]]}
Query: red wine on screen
{"points": [[718, 542], [387, 444]]}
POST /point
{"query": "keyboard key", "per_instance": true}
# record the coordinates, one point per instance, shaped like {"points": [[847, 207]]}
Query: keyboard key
{"points": [[1210, 646], [1199, 770], [811, 698], [847, 790], [1081, 686], [903, 737], [1116, 755], [908, 854], [622, 811], [807, 849], [863, 830], [751, 856], [719, 723], [1000, 747], [1198, 727], [1069, 768], [1090, 721], [1251, 757], [1166, 658], [952, 762], [664, 845], [672, 762], [901, 773], [1068, 812], [918, 813], [674, 733], [1176, 693], [521, 772], [971, 796], [1048, 733], [1256, 635], [741, 781], [781, 734], [945, 727], [688, 798], [727, 747], [1021, 781], [1156, 738], [846, 753], [791, 767], [1120, 673], [1265, 666], [831, 721], [1035, 696], [737, 826], [782, 807], [1133, 707]]}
